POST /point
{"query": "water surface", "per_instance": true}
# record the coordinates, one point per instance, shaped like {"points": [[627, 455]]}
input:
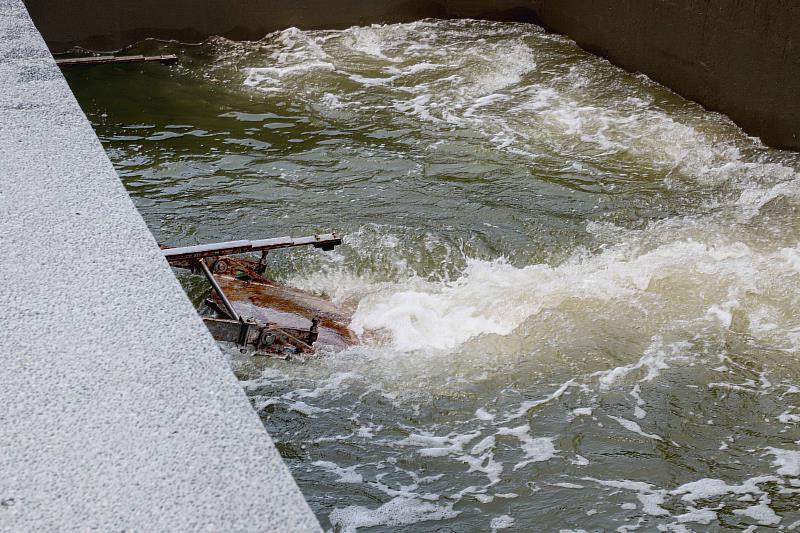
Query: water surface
{"points": [[577, 291]]}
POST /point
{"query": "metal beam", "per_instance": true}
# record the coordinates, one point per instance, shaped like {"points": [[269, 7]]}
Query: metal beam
{"points": [[212, 280], [325, 241], [104, 60]]}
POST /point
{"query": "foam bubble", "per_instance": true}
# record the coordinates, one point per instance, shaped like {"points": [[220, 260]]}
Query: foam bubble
{"points": [[630, 425], [787, 461], [501, 522], [398, 511]]}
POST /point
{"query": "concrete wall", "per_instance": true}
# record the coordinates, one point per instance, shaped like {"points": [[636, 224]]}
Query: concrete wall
{"points": [[740, 57], [113, 24], [118, 412]]}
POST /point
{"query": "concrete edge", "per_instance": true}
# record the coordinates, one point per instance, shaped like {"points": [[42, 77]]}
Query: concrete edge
{"points": [[119, 410]]}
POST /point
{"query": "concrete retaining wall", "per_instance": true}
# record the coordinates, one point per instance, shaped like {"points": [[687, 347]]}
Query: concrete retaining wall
{"points": [[113, 24], [117, 409], [739, 57]]}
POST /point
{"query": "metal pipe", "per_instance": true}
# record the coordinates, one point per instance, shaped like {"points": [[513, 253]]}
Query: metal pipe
{"points": [[211, 279]]}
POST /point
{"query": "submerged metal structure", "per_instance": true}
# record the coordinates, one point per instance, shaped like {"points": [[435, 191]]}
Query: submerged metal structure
{"points": [[255, 313]]}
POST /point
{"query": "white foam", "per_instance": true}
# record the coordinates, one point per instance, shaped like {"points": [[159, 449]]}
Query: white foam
{"points": [[580, 460], [787, 417], [297, 406], [630, 425], [761, 512], [345, 475], [706, 488], [535, 449], [485, 464], [654, 360], [399, 511], [701, 516], [787, 461], [413, 69], [650, 497], [651, 502], [566, 485], [256, 76], [495, 298], [638, 412], [526, 406], [482, 414], [369, 40], [501, 522], [484, 445], [433, 446]]}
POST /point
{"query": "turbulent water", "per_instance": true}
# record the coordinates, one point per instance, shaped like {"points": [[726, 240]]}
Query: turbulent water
{"points": [[576, 291]]}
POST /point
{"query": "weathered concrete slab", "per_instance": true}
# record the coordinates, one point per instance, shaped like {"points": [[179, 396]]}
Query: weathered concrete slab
{"points": [[118, 412]]}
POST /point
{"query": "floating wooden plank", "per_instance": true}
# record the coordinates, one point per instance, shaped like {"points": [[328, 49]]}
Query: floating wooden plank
{"points": [[103, 60]]}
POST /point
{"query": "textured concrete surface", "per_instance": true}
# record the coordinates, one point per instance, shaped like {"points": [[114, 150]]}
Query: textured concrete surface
{"points": [[739, 57], [117, 409]]}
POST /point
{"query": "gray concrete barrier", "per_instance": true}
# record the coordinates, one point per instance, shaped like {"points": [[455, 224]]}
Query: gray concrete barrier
{"points": [[739, 57], [118, 412]]}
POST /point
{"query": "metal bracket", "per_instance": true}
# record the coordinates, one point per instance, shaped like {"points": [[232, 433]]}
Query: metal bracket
{"points": [[229, 310], [262, 263], [246, 331]]}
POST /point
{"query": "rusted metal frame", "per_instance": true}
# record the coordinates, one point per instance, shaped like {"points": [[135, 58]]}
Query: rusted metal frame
{"points": [[288, 338], [212, 280], [104, 60], [248, 333], [229, 265], [265, 338], [229, 330], [306, 337], [175, 255], [187, 253]]}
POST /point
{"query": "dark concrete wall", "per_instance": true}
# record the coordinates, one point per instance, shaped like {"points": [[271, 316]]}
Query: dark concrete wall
{"points": [[739, 57], [112, 24]]}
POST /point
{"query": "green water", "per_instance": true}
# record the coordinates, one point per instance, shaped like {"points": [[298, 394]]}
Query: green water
{"points": [[576, 291]]}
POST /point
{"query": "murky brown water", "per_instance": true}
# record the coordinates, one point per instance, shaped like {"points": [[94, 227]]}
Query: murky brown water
{"points": [[579, 290]]}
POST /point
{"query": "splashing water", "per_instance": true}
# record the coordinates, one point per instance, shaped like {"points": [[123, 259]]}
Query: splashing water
{"points": [[576, 290]]}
